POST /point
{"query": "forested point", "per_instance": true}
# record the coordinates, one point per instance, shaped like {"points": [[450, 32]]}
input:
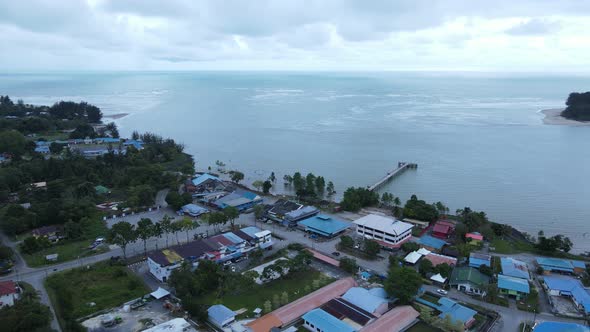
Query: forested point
{"points": [[578, 106]]}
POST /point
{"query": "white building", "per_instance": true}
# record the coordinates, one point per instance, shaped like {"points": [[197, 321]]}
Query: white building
{"points": [[9, 292], [173, 325], [389, 232]]}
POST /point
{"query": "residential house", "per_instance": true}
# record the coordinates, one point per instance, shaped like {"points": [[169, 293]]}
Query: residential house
{"points": [[220, 315], [161, 263], [514, 268], [474, 238], [374, 301], [431, 243], [388, 232], [557, 265], [240, 199], [569, 287], [280, 208], [476, 260], [437, 259], [398, 319], [470, 280], [456, 312], [259, 238], [9, 293], [412, 258], [515, 287], [52, 232], [192, 210], [442, 229]]}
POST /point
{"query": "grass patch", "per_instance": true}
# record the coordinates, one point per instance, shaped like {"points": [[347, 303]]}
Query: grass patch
{"points": [[502, 246], [531, 302], [107, 286], [296, 285], [430, 298], [356, 253], [180, 161]]}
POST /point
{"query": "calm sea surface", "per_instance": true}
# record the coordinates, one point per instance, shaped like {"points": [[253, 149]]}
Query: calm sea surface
{"points": [[478, 138]]}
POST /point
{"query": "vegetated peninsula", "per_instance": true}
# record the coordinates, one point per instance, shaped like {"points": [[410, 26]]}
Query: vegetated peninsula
{"points": [[577, 112], [578, 107]]}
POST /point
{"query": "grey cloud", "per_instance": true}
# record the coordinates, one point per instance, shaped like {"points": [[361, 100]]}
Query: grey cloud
{"points": [[534, 27]]}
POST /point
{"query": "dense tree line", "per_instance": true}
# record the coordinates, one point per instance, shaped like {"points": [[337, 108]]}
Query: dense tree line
{"points": [[418, 209], [578, 106], [357, 198], [27, 314]]}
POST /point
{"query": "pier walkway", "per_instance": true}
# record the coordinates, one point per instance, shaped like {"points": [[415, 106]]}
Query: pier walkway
{"points": [[401, 166]]}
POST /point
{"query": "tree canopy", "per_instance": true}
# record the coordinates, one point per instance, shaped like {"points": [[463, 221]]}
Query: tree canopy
{"points": [[357, 198], [420, 210], [578, 106]]}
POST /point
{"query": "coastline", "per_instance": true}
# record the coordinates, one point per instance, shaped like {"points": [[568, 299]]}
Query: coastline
{"points": [[553, 117], [115, 116]]}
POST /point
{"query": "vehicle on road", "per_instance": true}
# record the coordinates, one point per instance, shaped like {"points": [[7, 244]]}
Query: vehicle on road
{"points": [[336, 253], [227, 263], [442, 291]]}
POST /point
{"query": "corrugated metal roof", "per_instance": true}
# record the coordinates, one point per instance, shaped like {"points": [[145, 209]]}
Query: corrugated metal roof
{"points": [[570, 286], [514, 268], [512, 283], [324, 225], [219, 313], [385, 224], [456, 311], [204, 177], [364, 299], [560, 327], [431, 242], [555, 263], [326, 322]]}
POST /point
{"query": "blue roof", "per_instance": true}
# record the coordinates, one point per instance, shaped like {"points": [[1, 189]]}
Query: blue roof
{"points": [[557, 264], [476, 260], [364, 299], [219, 313], [457, 312], [326, 322], [578, 264], [570, 286], [233, 237], [512, 283], [107, 139], [251, 230], [560, 327], [514, 268], [432, 242], [378, 291], [323, 225], [193, 209], [366, 274], [42, 148], [303, 211], [204, 177]]}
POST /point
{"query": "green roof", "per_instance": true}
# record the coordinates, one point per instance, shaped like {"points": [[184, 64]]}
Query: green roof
{"points": [[102, 190], [469, 274]]}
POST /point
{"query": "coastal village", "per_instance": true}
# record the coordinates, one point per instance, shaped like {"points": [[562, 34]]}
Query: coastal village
{"points": [[206, 253]]}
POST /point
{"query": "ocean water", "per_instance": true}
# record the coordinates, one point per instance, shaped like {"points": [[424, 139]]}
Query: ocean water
{"points": [[478, 139]]}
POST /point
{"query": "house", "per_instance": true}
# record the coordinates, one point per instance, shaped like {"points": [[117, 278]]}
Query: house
{"points": [[137, 144], [240, 199], [260, 238], [569, 287], [161, 263], [398, 319], [450, 251], [43, 149], [560, 327], [280, 208], [388, 232], [207, 183], [323, 225], [442, 229], [514, 268], [456, 312], [412, 258], [52, 232], [579, 266], [557, 265], [476, 260], [374, 301], [95, 150], [468, 279], [474, 237], [317, 320], [437, 259], [192, 210], [220, 315], [348, 312], [291, 218], [511, 286], [9, 293], [431, 243]]}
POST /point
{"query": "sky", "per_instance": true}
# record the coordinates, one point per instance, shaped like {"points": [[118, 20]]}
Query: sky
{"points": [[444, 35]]}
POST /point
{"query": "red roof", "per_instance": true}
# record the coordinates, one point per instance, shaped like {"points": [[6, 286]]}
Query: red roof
{"points": [[437, 259], [7, 288], [324, 258], [475, 236], [441, 228], [396, 319]]}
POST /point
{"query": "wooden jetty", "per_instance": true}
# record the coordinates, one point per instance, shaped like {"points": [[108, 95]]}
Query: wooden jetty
{"points": [[401, 166]]}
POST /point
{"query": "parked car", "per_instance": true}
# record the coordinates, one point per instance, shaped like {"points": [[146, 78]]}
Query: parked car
{"points": [[336, 253], [233, 268], [227, 263], [442, 291]]}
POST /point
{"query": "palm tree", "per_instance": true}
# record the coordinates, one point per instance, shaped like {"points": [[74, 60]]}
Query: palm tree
{"points": [[187, 224], [176, 227], [157, 232], [144, 231], [166, 224]]}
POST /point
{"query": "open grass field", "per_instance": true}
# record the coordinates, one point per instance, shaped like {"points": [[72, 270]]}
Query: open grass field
{"points": [[296, 285], [106, 286]]}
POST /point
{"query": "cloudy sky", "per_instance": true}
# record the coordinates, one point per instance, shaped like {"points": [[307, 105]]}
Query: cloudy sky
{"points": [[497, 35]]}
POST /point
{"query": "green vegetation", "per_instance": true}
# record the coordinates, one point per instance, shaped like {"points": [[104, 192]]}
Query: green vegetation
{"points": [[27, 314], [369, 250], [349, 265], [357, 198], [531, 302], [402, 282], [104, 284], [420, 210], [578, 107], [310, 188]]}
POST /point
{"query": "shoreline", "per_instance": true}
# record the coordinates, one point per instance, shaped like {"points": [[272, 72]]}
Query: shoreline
{"points": [[115, 116], [553, 117]]}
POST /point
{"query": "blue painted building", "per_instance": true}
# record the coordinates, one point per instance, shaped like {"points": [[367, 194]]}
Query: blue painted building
{"points": [[570, 287], [220, 315], [456, 312], [321, 321], [431, 242], [323, 225], [560, 327], [514, 268], [512, 286], [476, 260], [240, 199], [374, 302], [204, 177], [555, 265]]}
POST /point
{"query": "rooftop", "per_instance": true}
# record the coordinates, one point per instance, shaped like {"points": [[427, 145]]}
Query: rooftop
{"points": [[514, 268], [324, 225], [469, 274], [173, 325], [442, 228], [396, 319], [251, 230], [413, 257], [326, 322], [560, 327], [174, 254], [220, 313], [364, 299], [429, 241], [283, 206], [204, 177], [437, 259], [512, 283], [8, 287], [475, 236], [341, 309], [385, 224], [555, 264], [570, 286], [457, 312], [295, 215]]}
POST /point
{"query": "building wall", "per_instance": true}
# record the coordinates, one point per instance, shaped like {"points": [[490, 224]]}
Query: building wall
{"points": [[8, 300], [161, 273], [467, 287], [383, 236]]}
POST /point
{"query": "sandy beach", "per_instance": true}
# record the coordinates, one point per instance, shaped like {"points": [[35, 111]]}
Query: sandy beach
{"points": [[115, 116], [553, 117]]}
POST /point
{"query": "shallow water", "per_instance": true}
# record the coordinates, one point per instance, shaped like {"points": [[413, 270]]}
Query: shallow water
{"points": [[478, 138]]}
